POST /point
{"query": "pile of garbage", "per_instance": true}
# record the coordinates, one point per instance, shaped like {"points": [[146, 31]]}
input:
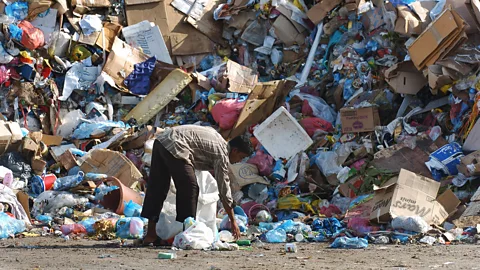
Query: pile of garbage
{"points": [[363, 117]]}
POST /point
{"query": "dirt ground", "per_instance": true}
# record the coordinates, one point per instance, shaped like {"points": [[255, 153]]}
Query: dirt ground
{"points": [[56, 253]]}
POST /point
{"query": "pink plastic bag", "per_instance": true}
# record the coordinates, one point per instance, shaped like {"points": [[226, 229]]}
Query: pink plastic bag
{"points": [[32, 37], [264, 163], [226, 112], [312, 124]]}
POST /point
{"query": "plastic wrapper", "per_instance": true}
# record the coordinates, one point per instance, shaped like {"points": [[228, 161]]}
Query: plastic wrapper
{"points": [[349, 243], [10, 226], [88, 224], [226, 112], [264, 163], [132, 209], [197, 236], [328, 163], [130, 228], [414, 224]]}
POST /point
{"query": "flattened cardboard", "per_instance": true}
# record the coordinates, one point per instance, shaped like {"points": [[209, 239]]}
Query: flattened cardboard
{"points": [[286, 31], [121, 60], [439, 38], [14, 128], [470, 164], [110, 31], [472, 143], [462, 8], [241, 79], [436, 78], [407, 22], [264, 99], [404, 78], [320, 10], [22, 198], [359, 120], [5, 137], [409, 194], [207, 24], [111, 163]]}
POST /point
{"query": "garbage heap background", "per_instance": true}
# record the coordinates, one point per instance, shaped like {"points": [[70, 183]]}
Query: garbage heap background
{"points": [[363, 117]]}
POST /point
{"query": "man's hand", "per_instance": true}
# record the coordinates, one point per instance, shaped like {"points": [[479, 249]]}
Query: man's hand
{"points": [[235, 230], [233, 222]]}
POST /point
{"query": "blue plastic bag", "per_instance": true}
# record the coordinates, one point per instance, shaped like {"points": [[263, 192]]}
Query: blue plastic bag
{"points": [[347, 242], [138, 82], [276, 236], [88, 224], [240, 217], [130, 228], [132, 209], [10, 226], [17, 10]]}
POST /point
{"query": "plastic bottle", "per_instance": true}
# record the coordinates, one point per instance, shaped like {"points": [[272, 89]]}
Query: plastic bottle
{"points": [[276, 236], [278, 171], [73, 229], [226, 236], [68, 182]]}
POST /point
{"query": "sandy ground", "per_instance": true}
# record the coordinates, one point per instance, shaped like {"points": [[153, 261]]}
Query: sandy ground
{"points": [[56, 253]]}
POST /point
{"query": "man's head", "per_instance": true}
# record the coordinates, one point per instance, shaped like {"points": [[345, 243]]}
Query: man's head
{"points": [[240, 148]]}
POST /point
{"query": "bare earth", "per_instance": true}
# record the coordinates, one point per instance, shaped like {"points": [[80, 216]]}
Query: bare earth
{"points": [[56, 253]]}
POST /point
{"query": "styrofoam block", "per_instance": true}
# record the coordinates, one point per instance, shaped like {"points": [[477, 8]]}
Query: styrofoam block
{"points": [[282, 135]]}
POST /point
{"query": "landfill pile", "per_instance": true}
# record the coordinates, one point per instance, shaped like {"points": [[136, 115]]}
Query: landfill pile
{"points": [[363, 118]]}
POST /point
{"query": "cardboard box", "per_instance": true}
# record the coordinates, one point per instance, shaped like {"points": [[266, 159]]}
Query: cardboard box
{"points": [[470, 164], [138, 2], [411, 194], [92, 3], [29, 147], [346, 188], [320, 10], [436, 78], [5, 137], [50, 140], [442, 36], [38, 165], [463, 8], [111, 163], [407, 23], [241, 79], [22, 198], [14, 128], [359, 120], [67, 160], [110, 30], [404, 78]]}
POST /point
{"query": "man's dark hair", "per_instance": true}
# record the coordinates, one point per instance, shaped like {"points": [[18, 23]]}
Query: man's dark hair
{"points": [[242, 144]]}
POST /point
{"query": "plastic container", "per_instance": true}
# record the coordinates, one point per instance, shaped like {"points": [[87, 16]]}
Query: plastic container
{"points": [[116, 199], [167, 255], [291, 248], [40, 184], [282, 135], [68, 182], [244, 243]]}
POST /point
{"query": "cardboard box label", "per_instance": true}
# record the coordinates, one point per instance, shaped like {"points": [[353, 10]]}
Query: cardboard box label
{"points": [[359, 120]]}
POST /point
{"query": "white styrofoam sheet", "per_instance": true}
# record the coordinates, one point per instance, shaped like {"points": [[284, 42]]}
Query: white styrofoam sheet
{"points": [[282, 135]]}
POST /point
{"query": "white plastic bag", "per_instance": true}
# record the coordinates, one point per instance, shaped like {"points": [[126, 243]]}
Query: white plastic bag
{"points": [[167, 227], [328, 163], [319, 107], [197, 236], [414, 224]]}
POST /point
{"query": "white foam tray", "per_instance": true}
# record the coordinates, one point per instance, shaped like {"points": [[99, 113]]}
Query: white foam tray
{"points": [[282, 135]]}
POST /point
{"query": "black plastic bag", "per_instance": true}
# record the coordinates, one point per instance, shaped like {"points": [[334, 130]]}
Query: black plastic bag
{"points": [[15, 162]]}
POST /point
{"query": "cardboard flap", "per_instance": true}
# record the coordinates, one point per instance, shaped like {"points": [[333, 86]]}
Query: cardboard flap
{"points": [[449, 201], [138, 2], [387, 184]]}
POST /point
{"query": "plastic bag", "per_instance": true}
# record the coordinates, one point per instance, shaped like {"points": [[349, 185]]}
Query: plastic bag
{"points": [[312, 124], [10, 226], [291, 202], [69, 122], [17, 10], [264, 163], [84, 130], [167, 226], [276, 236], [414, 224], [51, 201], [73, 229], [349, 242], [240, 217], [130, 228], [88, 224], [226, 112], [319, 107], [132, 209], [17, 164], [32, 37], [328, 163], [197, 236], [138, 82]]}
